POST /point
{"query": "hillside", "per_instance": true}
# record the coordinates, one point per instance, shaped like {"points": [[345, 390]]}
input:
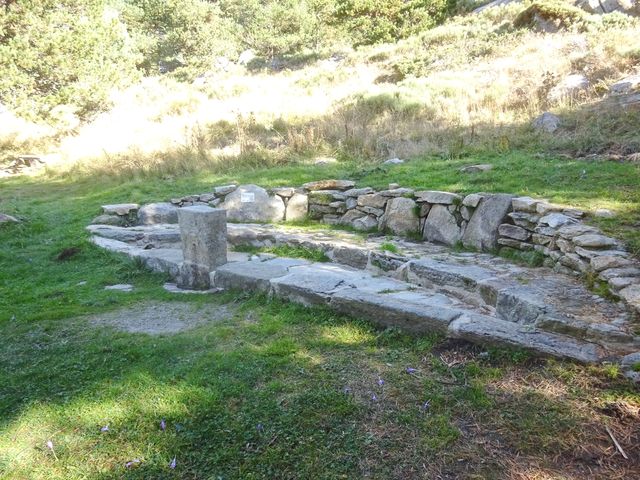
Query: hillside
{"points": [[472, 84]]}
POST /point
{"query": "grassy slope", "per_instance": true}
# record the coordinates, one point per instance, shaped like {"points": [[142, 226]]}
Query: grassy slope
{"points": [[280, 365]]}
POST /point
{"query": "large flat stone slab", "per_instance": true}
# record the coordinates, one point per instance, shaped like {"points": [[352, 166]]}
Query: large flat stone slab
{"points": [[412, 311], [157, 234], [253, 275], [429, 271], [488, 330], [316, 284]]}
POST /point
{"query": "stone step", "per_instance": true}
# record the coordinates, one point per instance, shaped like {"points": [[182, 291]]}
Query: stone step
{"points": [[485, 284], [388, 302]]}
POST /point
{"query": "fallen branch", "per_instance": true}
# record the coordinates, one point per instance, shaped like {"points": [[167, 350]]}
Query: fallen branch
{"points": [[615, 442]]}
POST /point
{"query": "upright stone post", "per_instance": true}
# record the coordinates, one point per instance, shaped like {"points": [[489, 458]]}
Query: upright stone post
{"points": [[203, 232]]}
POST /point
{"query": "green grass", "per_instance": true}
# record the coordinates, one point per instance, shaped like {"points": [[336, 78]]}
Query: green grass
{"points": [[313, 254], [277, 365], [277, 391], [389, 247]]}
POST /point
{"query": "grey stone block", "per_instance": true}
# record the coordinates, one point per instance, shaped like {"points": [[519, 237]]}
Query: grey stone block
{"points": [[203, 231], [488, 330], [412, 311], [482, 231]]}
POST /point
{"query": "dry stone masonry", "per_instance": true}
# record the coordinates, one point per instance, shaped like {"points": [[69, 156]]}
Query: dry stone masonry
{"points": [[425, 285]]}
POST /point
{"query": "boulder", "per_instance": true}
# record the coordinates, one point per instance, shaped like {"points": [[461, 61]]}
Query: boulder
{"points": [[569, 87], [396, 192], [224, 190], [356, 192], [350, 217], [482, 231], [377, 212], [443, 198], [441, 226], [586, 253], [400, 216], [556, 220], [547, 122], [618, 283], [544, 208], [351, 202], [524, 204], [592, 240], [482, 167], [629, 364], [631, 295], [626, 85], [576, 229], [297, 207], [120, 208], [329, 185], [108, 220], [366, 223], [604, 213], [323, 197], [325, 161], [372, 200], [524, 219], [155, 213], [250, 203], [7, 219], [472, 200], [606, 262], [512, 231], [393, 161], [284, 192]]}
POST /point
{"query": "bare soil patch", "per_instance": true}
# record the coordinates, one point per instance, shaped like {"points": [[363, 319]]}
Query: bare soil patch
{"points": [[163, 318]]}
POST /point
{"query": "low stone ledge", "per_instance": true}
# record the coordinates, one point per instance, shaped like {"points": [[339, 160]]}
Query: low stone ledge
{"points": [[407, 310], [488, 330]]}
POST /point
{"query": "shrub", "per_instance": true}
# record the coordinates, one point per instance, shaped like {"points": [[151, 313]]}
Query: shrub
{"points": [[178, 35], [560, 15], [56, 52], [377, 21], [278, 27]]}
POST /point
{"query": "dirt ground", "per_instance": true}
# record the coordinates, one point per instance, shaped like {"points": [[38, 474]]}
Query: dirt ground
{"points": [[162, 318]]}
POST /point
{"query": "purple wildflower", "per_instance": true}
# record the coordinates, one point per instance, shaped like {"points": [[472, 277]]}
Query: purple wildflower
{"points": [[133, 462], [163, 425], [380, 381], [50, 445], [172, 465], [374, 397], [425, 406], [411, 371], [105, 428]]}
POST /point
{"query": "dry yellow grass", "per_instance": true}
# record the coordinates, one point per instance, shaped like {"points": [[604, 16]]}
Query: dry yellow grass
{"points": [[474, 82]]}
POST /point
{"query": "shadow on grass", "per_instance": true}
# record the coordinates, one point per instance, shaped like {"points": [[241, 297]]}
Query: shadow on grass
{"points": [[277, 391]]}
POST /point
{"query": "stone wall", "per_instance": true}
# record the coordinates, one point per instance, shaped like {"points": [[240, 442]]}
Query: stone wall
{"points": [[480, 221], [571, 246]]}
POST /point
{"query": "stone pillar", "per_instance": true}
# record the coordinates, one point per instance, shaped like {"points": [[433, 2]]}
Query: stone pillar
{"points": [[203, 231]]}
